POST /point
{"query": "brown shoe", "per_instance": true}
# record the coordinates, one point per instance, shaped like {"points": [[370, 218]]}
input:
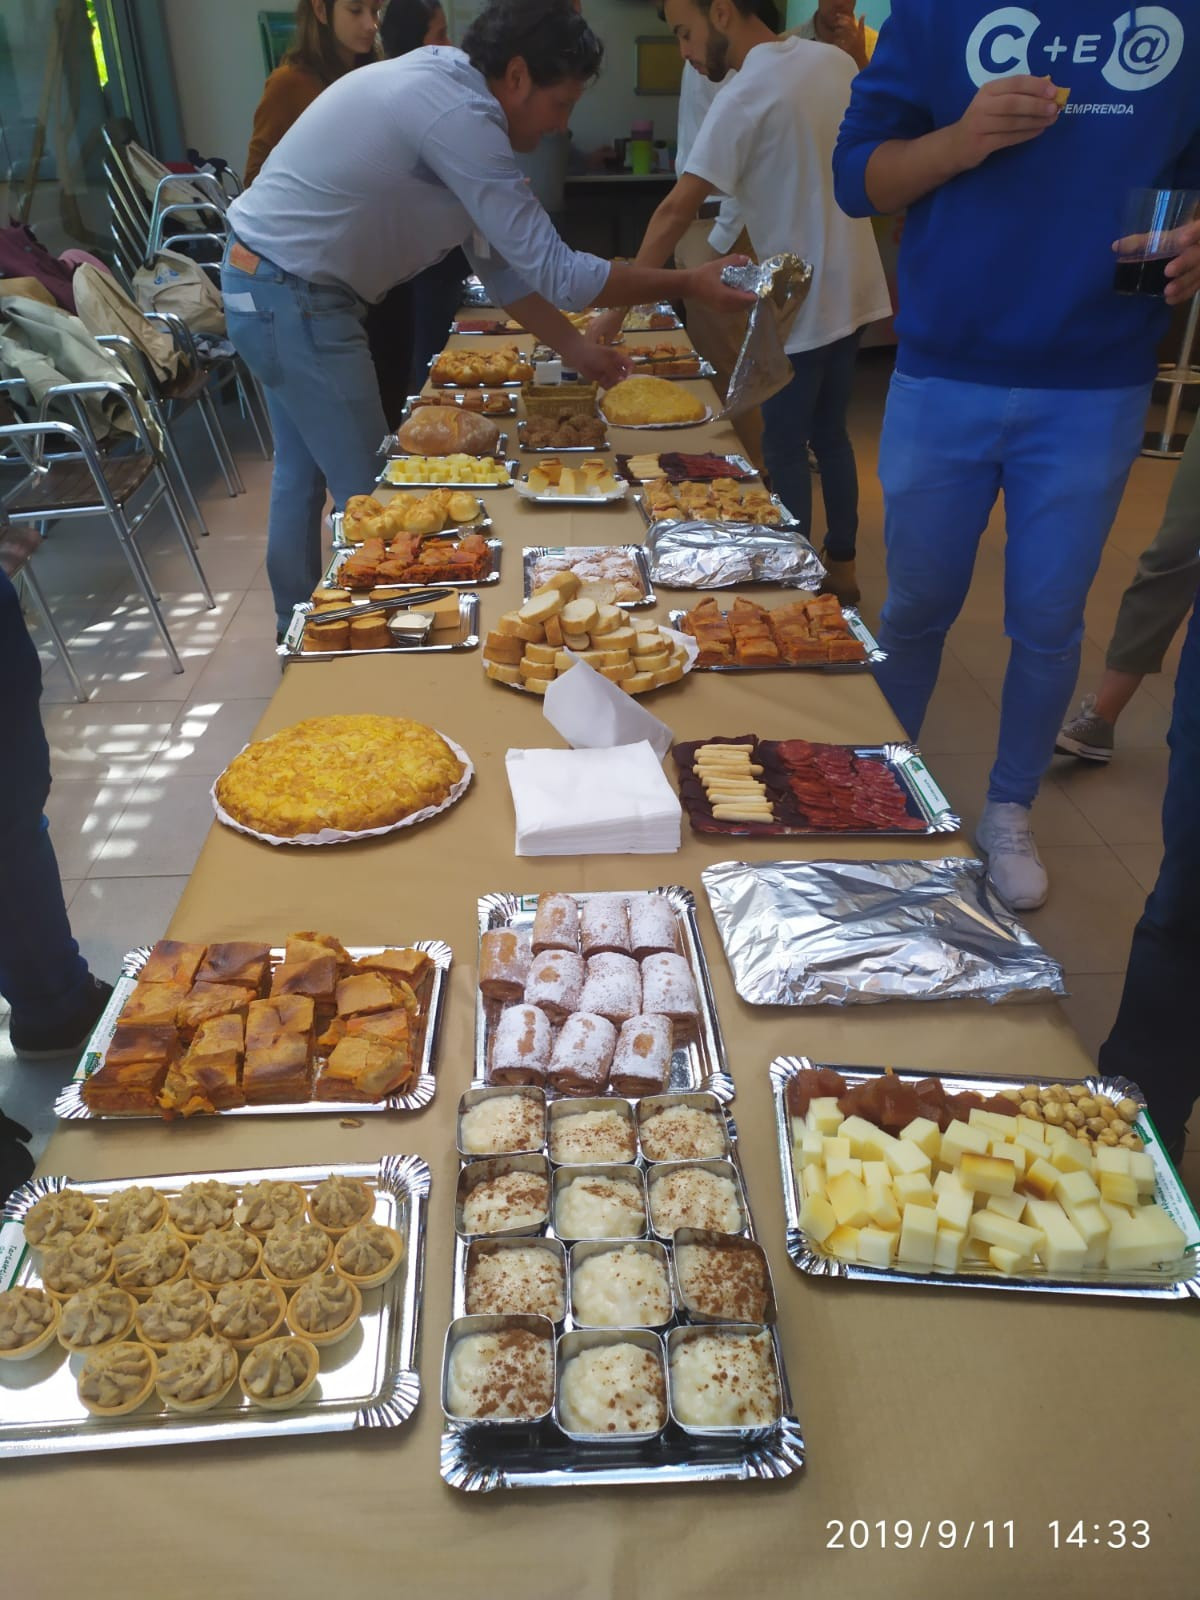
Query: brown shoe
{"points": [[841, 580]]}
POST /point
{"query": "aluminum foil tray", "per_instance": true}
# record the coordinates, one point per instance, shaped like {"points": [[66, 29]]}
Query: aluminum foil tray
{"points": [[720, 555], [540, 1456], [443, 641], [369, 1380], [510, 464], [1181, 1282], [532, 554], [559, 450], [389, 447], [337, 522], [783, 517], [341, 552], [71, 1107], [872, 654]]}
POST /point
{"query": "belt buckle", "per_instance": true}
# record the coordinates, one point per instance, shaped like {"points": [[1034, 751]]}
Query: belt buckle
{"points": [[241, 258]]}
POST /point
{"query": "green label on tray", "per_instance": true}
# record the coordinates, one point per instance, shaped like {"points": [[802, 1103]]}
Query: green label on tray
{"points": [[12, 1252], [918, 776]]}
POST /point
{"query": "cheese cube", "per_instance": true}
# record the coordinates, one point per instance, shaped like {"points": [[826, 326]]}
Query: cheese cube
{"points": [[843, 1243], [1091, 1225], [948, 1181], [1008, 1261], [812, 1179], [902, 1157], [925, 1134], [948, 1249], [817, 1218], [1041, 1179], [838, 1164], [1064, 1250], [876, 1247], [1118, 1187], [1031, 1129], [1142, 1239], [1110, 1158], [882, 1207], [848, 1198], [958, 1138], [1035, 1149], [986, 1174], [876, 1172], [823, 1114], [918, 1237], [1141, 1169], [995, 1122], [808, 1149], [1006, 1205], [954, 1208], [863, 1136], [1003, 1150], [1076, 1188], [976, 1250], [1057, 1136], [913, 1188], [995, 1229], [1073, 1155], [834, 1145]]}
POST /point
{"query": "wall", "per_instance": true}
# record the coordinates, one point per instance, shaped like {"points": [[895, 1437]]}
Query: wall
{"points": [[218, 70], [610, 106]]}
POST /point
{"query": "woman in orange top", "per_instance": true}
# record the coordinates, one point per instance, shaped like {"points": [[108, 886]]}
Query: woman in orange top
{"points": [[332, 37]]}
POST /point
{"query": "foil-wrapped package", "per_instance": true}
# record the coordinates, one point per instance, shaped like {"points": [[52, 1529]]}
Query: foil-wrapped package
{"points": [[762, 368], [714, 555], [806, 933]]}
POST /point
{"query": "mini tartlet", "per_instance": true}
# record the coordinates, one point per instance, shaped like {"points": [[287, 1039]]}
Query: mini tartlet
{"points": [[224, 1255], [77, 1263], [96, 1317], [338, 1202], [278, 1374], [117, 1379], [144, 1261], [138, 1209], [267, 1202], [248, 1312], [324, 1308], [368, 1253], [293, 1251], [201, 1206], [29, 1319], [60, 1216], [172, 1314], [198, 1374]]}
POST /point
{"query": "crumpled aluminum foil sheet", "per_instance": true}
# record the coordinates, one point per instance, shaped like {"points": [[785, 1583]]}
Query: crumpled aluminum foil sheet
{"points": [[762, 367], [714, 555], [807, 933]]}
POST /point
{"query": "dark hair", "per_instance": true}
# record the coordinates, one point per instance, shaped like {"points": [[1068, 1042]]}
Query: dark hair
{"points": [[405, 24], [550, 36], [314, 48]]}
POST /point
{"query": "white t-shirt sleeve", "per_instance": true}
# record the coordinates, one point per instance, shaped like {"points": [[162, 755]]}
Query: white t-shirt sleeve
{"points": [[721, 148]]}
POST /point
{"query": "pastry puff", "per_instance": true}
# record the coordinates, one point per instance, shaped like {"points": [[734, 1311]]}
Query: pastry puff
{"points": [[278, 1374], [368, 1254], [125, 1371]]}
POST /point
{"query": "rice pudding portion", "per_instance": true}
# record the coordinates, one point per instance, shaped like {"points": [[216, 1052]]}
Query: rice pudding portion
{"points": [[578, 1138], [502, 1124], [516, 1277], [509, 1200], [725, 1281], [625, 1288], [612, 1389], [504, 1375], [682, 1133], [595, 1206], [694, 1197], [724, 1379]]}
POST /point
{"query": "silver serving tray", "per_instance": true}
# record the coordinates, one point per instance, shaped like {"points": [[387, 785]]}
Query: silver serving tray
{"points": [[612, 498], [442, 642], [393, 450], [782, 519], [560, 449], [340, 542], [71, 1107], [341, 552], [657, 427], [369, 1380], [663, 309], [699, 1064], [478, 1459], [907, 765], [853, 620], [532, 554], [707, 370], [509, 383], [510, 464], [749, 471], [1179, 1283], [412, 403]]}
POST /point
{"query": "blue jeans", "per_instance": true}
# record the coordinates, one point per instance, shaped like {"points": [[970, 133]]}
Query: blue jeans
{"points": [[305, 344], [42, 974], [1153, 1040], [811, 410], [1061, 457]]}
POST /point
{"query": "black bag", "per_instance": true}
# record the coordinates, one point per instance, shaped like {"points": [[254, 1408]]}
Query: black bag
{"points": [[16, 1158]]}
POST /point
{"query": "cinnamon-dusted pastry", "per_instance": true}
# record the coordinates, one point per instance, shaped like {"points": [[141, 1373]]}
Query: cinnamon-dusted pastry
{"points": [[201, 1206], [338, 1202], [279, 1373], [206, 1080], [267, 1202], [604, 924], [155, 1003], [142, 1261], [172, 1313], [364, 1069], [368, 1253], [582, 1054], [555, 983], [207, 1000], [237, 961], [198, 1374], [669, 989], [641, 1062], [76, 1264], [556, 923], [246, 1313], [95, 1317], [224, 1255], [504, 963], [137, 1209], [29, 1319], [117, 1378], [60, 1216], [651, 925], [316, 977], [324, 1308], [521, 1046], [294, 1250], [612, 987], [171, 961], [309, 944]]}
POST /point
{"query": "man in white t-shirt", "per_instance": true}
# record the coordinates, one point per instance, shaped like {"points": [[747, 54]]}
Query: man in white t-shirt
{"points": [[767, 143]]}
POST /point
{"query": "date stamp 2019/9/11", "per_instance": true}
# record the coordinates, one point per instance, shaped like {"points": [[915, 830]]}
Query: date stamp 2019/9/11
{"points": [[985, 1533]]}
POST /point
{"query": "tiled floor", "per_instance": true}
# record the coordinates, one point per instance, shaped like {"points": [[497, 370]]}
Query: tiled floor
{"points": [[132, 767]]}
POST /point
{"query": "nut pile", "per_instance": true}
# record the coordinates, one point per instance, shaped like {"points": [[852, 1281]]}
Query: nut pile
{"points": [[1075, 1108]]}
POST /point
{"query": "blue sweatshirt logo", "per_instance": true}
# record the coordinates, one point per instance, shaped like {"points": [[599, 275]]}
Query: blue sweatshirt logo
{"points": [[1147, 45]]}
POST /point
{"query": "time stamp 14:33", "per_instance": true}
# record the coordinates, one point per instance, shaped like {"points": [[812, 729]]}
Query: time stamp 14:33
{"points": [[984, 1533]]}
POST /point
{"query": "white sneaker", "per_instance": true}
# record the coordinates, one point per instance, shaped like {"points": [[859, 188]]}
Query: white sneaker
{"points": [[1015, 869]]}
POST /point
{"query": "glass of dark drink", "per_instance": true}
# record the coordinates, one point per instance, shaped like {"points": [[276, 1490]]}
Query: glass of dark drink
{"points": [[1151, 237]]}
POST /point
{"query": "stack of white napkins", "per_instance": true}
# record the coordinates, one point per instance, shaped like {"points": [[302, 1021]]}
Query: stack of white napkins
{"points": [[593, 802]]}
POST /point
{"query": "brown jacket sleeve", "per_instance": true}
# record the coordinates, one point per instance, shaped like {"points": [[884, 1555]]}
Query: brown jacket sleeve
{"points": [[289, 91]]}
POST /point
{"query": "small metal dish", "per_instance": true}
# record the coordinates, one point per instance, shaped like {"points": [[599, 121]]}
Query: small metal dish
{"points": [[565, 1176], [740, 1330], [474, 1097], [589, 1249], [562, 1111], [701, 1237], [652, 1104], [571, 1345], [482, 1171], [492, 1247], [720, 1169], [461, 1328]]}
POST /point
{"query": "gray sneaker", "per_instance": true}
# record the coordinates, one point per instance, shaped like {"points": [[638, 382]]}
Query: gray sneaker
{"points": [[1014, 867], [1086, 736]]}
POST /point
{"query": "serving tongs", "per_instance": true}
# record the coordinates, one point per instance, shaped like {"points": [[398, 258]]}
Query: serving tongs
{"points": [[405, 602]]}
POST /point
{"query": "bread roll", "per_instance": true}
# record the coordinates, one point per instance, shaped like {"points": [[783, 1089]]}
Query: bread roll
{"points": [[447, 430]]}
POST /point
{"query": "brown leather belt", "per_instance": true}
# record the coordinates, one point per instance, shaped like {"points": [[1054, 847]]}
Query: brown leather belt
{"points": [[241, 258]]}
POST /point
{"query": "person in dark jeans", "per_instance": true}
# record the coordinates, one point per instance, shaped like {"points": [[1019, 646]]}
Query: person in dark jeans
{"points": [[1153, 1041]]}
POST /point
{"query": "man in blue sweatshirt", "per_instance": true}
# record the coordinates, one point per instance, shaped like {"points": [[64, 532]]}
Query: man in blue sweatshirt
{"points": [[1019, 368]]}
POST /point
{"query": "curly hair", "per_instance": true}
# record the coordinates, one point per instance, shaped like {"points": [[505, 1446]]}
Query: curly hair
{"points": [[550, 36]]}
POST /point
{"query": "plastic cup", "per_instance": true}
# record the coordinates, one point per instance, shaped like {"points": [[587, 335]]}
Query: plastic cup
{"points": [[1150, 237]]}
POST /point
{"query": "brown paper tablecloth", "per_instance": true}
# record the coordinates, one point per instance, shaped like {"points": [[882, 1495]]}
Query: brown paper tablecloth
{"points": [[936, 1407]]}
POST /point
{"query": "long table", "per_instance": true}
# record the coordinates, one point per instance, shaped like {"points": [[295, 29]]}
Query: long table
{"points": [[992, 1423]]}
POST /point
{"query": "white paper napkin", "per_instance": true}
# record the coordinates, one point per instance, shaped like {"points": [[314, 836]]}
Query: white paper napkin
{"points": [[592, 802], [593, 713]]}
